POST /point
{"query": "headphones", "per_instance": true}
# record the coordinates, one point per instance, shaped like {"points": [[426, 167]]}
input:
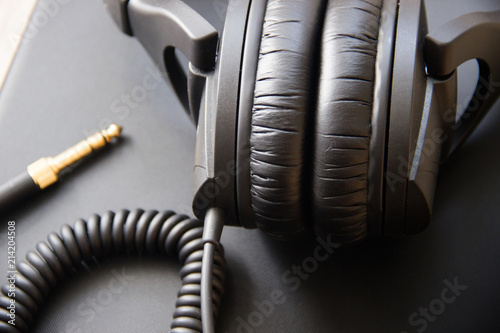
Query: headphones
{"points": [[324, 115]]}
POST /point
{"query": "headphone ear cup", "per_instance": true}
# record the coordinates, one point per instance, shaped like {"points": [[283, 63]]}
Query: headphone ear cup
{"points": [[343, 118], [281, 108]]}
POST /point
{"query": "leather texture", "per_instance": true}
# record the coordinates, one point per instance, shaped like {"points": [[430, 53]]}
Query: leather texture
{"points": [[343, 118], [281, 111]]}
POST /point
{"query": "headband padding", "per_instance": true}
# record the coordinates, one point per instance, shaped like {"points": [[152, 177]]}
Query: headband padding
{"points": [[282, 105], [343, 118]]}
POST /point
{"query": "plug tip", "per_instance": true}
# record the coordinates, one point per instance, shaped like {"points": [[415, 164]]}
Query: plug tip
{"points": [[113, 131]]}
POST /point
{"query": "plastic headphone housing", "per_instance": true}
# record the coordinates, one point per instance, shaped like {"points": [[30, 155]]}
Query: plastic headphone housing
{"points": [[415, 95]]}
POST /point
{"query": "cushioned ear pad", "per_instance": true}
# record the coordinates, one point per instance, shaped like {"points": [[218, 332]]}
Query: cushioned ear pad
{"points": [[343, 118], [280, 111]]}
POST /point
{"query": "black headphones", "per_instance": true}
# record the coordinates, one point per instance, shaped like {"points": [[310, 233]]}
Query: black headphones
{"points": [[332, 115]]}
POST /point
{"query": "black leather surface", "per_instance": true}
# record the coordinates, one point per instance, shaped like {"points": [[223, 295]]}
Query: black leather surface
{"points": [[64, 82], [343, 118], [283, 105]]}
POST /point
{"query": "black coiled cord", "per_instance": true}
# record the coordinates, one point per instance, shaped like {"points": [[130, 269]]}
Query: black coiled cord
{"points": [[152, 232]]}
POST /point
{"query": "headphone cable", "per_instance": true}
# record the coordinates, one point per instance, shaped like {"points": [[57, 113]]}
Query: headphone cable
{"points": [[125, 233]]}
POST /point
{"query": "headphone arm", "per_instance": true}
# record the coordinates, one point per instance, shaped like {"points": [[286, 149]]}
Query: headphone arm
{"points": [[471, 36], [429, 104]]}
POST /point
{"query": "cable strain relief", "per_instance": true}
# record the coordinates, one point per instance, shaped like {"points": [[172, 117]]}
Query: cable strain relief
{"points": [[213, 225]]}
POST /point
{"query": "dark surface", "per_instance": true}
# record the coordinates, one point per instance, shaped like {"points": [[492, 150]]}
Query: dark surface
{"points": [[64, 85]]}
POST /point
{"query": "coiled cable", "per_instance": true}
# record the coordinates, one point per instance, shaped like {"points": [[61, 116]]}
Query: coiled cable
{"points": [[152, 233]]}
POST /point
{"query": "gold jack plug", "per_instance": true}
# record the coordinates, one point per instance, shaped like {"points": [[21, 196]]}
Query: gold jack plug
{"points": [[45, 171]]}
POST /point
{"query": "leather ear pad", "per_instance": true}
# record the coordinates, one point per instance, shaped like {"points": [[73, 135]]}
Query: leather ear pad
{"points": [[343, 118], [281, 107]]}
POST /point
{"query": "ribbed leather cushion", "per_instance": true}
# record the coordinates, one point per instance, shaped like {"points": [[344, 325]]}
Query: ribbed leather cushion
{"points": [[343, 118], [283, 103]]}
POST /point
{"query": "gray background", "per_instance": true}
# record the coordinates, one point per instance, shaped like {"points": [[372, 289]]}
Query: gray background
{"points": [[70, 71]]}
